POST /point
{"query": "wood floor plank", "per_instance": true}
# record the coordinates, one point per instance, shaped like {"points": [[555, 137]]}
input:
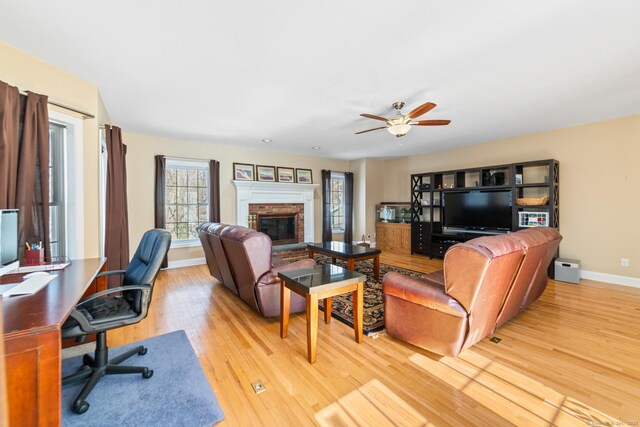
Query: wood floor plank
{"points": [[570, 359]]}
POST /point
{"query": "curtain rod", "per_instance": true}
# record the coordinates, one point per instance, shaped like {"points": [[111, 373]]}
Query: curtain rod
{"points": [[84, 114], [185, 158]]}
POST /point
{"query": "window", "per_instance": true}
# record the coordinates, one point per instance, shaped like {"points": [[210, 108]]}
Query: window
{"points": [[66, 186], [337, 202], [57, 206], [187, 199]]}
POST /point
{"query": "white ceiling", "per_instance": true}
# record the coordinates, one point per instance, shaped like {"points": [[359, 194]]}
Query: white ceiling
{"points": [[300, 72]]}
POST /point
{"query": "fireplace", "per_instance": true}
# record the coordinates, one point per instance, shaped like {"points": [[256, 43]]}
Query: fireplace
{"points": [[282, 229], [282, 222], [270, 198]]}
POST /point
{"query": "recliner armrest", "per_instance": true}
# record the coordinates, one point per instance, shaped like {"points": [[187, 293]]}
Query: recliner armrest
{"points": [[421, 291], [271, 276]]}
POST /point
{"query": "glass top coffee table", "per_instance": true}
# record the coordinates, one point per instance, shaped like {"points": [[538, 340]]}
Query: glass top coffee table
{"points": [[347, 252], [314, 284]]}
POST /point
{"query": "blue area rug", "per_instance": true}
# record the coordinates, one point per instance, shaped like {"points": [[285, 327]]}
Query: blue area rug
{"points": [[178, 394]]}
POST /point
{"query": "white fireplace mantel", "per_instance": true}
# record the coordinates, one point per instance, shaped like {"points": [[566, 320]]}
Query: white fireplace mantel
{"points": [[275, 192]]}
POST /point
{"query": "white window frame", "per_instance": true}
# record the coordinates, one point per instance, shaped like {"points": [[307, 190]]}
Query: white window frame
{"points": [[174, 163], [102, 192], [339, 175], [74, 182]]}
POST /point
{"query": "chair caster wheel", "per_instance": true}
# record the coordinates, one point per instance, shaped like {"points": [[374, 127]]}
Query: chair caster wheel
{"points": [[143, 351], [87, 360], [148, 373], [80, 408]]}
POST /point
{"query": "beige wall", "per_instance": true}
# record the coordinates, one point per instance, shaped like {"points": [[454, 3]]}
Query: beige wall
{"points": [[376, 170], [141, 150], [599, 185], [29, 73], [368, 191]]}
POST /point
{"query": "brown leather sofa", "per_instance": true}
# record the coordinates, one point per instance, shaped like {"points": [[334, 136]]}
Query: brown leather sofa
{"points": [[240, 258], [484, 283]]}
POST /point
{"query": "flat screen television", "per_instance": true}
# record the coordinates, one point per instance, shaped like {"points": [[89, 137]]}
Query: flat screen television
{"points": [[8, 240], [477, 210]]}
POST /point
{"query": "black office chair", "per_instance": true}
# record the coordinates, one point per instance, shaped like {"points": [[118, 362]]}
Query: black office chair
{"points": [[103, 311]]}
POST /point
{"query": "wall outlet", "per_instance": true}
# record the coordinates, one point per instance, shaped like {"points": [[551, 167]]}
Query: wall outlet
{"points": [[624, 262]]}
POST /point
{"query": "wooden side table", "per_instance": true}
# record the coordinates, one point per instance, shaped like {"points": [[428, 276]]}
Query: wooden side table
{"points": [[320, 282]]}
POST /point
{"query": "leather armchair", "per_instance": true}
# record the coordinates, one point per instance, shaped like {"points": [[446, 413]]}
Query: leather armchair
{"points": [[114, 308], [243, 258]]}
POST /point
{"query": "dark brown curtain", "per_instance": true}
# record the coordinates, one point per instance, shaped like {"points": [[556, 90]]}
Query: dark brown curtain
{"points": [[117, 215], [9, 144], [348, 207], [214, 191], [24, 162], [327, 236], [159, 210]]}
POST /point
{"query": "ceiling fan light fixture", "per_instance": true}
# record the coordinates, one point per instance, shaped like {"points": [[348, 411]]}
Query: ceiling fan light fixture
{"points": [[399, 129]]}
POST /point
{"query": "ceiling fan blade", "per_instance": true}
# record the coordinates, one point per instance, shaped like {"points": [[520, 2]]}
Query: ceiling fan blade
{"points": [[424, 108], [369, 130], [430, 122], [371, 116]]}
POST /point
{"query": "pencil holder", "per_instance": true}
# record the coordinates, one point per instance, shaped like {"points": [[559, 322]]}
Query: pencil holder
{"points": [[34, 257]]}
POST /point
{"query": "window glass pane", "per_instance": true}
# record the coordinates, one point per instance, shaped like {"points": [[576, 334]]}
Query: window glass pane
{"points": [[192, 196], [171, 215], [182, 214], [203, 214], [193, 213], [171, 177], [192, 178], [170, 195], [182, 177], [203, 196], [193, 232], [57, 211], [202, 179], [181, 195], [182, 230]]}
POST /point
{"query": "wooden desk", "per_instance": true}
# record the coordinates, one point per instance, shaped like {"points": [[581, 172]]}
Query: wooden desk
{"points": [[32, 341]]}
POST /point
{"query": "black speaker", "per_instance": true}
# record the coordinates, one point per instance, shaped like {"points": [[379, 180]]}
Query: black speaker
{"points": [[497, 178]]}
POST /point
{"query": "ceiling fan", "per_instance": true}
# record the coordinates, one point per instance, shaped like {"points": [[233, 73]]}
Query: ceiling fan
{"points": [[401, 124]]}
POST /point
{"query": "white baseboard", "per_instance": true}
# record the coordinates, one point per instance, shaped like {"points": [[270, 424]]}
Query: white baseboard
{"points": [[187, 262], [610, 278]]}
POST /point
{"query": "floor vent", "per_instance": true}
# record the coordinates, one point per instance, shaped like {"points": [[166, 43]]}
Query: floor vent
{"points": [[258, 387]]}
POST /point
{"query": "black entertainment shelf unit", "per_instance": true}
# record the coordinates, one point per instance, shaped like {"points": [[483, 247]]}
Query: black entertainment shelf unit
{"points": [[534, 193]]}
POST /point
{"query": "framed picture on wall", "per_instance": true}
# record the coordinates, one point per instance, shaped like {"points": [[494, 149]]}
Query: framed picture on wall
{"points": [[266, 173], [285, 175], [243, 172], [303, 176]]}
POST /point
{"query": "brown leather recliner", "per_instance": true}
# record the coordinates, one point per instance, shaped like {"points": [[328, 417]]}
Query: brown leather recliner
{"points": [[449, 311], [241, 259], [540, 246]]}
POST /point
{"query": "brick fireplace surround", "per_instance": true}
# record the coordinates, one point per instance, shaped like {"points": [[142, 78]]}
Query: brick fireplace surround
{"points": [[296, 209]]}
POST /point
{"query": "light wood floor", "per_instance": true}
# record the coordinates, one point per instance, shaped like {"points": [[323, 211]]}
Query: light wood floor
{"points": [[572, 359]]}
